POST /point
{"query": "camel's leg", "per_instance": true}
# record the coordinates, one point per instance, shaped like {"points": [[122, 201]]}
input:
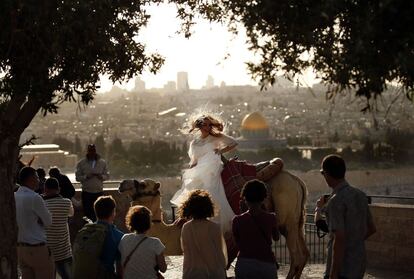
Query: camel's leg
{"points": [[291, 242], [298, 251], [173, 233], [169, 236], [304, 254]]}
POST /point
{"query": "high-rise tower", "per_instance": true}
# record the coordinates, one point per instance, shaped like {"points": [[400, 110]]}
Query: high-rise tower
{"points": [[182, 82]]}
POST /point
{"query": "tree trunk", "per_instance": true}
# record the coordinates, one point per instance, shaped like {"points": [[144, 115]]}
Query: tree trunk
{"points": [[8, 227]]}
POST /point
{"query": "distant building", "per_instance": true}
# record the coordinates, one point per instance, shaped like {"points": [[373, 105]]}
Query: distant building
{"points": [[139, 85], [320, 141], [209, 82], [254, 126], [49, 155], [116, 92], [182, 82], [170, 86], [255, 134]]}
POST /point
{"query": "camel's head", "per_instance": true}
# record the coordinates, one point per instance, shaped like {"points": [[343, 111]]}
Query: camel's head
{"points": [[145, 192], [136, 189]]}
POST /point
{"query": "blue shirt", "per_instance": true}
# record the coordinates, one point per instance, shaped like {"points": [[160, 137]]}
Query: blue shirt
{"points": [[110, 252]]}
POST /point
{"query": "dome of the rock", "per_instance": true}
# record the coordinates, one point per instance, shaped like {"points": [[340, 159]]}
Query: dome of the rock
{"points": [[255, 134], [253, 122]]}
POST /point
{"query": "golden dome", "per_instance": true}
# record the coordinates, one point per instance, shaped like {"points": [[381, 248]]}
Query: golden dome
{"points": [[254, 121]]}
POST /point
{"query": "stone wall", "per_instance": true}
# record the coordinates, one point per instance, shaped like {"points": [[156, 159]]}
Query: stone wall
{"points": [[362, 178], [392, 246]]}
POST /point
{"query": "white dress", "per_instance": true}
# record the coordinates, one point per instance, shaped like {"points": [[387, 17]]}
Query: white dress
{"points": [[206, 175]]}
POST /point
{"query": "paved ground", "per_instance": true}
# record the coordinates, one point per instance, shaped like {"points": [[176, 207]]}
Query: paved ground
{"points": [[314, 271]]}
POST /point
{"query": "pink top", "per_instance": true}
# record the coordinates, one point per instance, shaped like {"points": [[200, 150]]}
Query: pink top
{"points": [[253, 235]]}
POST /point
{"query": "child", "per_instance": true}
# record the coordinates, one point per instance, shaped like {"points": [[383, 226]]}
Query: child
{"points": [[253, 232]]}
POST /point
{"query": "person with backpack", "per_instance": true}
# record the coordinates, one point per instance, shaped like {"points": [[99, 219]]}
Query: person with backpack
{"points": [[253, 232], [95, 251], [142, 256]]}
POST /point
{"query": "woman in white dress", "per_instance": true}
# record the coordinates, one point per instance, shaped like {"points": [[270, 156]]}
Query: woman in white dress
{"points": [[206, 166]]}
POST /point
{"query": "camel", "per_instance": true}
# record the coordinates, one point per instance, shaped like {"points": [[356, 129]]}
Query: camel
{"points": [[146, 193], [288, 198]]}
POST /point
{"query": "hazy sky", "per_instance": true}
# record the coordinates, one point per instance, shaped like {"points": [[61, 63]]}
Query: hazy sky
{"points": [[201, 55]]}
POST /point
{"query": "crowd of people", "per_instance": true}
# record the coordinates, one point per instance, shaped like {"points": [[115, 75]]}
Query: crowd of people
{"points": [[43, 207], [101, 250], [44, 243]]}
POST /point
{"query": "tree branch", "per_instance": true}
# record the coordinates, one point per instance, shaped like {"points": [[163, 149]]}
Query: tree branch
{"points": [[13, 108], [27, 113], [399, 92], [29, 141]]}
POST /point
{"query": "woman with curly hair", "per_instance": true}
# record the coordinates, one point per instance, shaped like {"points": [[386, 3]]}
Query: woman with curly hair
{"points": [[203, 245], [205, 166], [142, 256]]}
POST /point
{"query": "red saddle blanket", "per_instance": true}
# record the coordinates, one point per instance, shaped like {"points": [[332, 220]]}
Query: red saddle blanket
{"points": [[234, 174]]}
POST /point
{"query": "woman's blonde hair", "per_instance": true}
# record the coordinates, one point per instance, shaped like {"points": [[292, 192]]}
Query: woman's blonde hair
{"points": [[217, 125]]}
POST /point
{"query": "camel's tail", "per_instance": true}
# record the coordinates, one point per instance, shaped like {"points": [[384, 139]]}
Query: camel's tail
{"points": [[303, 204], [303, 201]]}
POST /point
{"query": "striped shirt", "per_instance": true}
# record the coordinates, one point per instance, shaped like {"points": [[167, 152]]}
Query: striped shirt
{"points": [[58, 233]]}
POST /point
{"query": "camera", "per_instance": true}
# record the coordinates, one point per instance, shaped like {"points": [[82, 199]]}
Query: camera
{"points": [[326, 198]]}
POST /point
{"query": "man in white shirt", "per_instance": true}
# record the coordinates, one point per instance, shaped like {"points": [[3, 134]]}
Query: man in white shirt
{"points": [[91, 172], [35, 259]]}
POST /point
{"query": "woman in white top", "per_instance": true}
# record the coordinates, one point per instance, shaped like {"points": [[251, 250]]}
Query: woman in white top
{"points": [[141, 256], [206, 166]]}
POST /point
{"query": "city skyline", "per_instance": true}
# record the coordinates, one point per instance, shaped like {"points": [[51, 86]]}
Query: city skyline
{"points": [[211, 51]]}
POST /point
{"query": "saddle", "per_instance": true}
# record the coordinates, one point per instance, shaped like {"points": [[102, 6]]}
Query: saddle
{"points": [[236, 173], [261, 166], [267, 170]]}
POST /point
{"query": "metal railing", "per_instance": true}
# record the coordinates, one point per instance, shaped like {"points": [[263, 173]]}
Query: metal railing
{"points": [[392, 199], [316, 245]]}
